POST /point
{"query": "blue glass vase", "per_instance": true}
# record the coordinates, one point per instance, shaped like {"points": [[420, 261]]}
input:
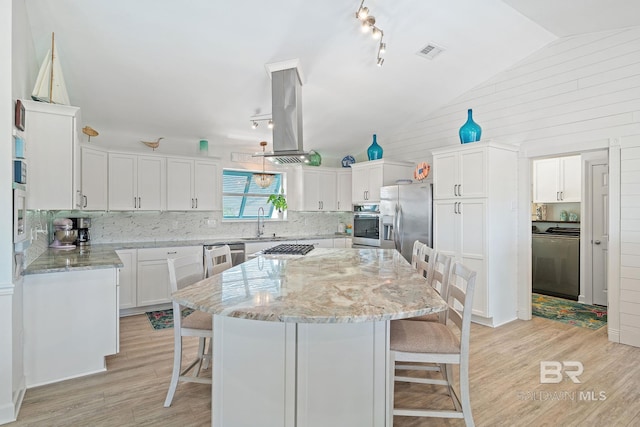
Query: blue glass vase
{"points": [[470, 131], [374, 151]]}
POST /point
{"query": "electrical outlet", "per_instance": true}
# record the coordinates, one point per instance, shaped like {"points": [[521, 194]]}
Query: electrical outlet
{"points": [[212, 223]]}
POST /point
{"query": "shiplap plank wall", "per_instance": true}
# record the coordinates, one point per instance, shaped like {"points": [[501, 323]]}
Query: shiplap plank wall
{"points": [[630, 246], [575, 90], [577, 93]]}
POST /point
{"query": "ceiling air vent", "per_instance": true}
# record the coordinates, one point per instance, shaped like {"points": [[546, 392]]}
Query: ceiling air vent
{"points": [[430, 51]]}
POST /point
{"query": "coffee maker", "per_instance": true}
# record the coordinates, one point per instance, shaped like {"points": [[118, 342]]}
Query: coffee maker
{"points": [[82, 225]]}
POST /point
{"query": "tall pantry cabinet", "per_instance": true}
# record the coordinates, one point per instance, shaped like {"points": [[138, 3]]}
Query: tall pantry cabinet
{"points": [[475, 221]]}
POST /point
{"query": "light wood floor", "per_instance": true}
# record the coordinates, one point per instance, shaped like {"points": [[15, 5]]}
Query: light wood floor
{"points": [[504, 381]]}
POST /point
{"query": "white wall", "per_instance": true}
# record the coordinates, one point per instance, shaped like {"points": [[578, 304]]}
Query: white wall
{"points": [[6, 232], [575, 95]]}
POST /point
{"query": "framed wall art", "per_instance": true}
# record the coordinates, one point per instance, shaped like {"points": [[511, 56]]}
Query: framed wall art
{"points": [[19, 115]]}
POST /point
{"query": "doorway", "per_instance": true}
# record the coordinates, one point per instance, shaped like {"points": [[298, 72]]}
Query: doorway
{"points": [[593, 222]]}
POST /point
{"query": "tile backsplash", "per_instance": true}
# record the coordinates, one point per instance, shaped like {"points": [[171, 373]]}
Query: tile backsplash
{"points": [[117, 227]]}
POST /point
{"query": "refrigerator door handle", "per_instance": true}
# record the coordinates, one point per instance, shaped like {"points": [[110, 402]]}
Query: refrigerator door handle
{"points": [[400, 230], [396, 227]]}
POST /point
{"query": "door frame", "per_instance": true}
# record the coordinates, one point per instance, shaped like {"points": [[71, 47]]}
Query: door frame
{"points": [[527, 153]]}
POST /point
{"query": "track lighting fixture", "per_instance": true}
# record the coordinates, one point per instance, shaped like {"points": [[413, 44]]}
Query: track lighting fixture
{"points": [[369, 23], [261, 118]]}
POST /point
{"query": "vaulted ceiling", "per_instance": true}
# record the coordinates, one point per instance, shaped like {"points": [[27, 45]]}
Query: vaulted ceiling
{"points": [[187, 70]]}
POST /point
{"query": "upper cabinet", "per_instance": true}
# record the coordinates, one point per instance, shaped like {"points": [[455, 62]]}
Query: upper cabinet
{"points": [[136, 182], [53, 159], [557, 180], [95, 172], [368, 177], [319, 189], [192, 185], [343, 181], [461, 172]]}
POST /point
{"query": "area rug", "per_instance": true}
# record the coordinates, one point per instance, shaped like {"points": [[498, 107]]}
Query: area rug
{"points": [[569, 312], [163, 319]]}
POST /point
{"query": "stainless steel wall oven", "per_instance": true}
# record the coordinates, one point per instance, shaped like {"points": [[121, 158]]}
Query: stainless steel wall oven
{"points": [[367, 225]]}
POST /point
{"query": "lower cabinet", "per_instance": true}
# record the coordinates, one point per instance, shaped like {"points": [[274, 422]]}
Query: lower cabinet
{"points": [[144, 279], [129, 258], [70, 324]]}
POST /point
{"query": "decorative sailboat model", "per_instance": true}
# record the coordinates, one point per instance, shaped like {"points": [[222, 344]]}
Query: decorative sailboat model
{"points": [[50, 85]]}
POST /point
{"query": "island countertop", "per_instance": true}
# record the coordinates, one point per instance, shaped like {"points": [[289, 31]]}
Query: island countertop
{"points": [[324, 286]]}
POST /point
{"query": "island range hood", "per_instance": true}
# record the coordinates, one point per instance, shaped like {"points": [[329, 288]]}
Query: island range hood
{"points": [[286, 113]]}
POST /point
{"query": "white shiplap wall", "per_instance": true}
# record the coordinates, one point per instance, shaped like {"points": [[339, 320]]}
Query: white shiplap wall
{"points": [[630, 245], [575, 95]]}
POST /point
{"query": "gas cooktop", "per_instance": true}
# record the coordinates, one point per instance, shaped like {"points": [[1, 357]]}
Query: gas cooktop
{"points": [[289, 249]]}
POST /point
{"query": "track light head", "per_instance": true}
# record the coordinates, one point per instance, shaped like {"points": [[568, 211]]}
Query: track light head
{"points": [[362, 13], [380, 62], [383, 48], [376, 33], [270, 124], [254, 124]]}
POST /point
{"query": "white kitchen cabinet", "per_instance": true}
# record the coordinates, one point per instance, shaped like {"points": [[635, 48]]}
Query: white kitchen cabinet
{"points": [[342, 242], [343, 190], [461, 172], [319, 189], [53, 156], [192, 185], [481, 232], [137, 182], [152, 285], [368, 177], [95, 179], [557, 180], [85, 328], [128, 278]]}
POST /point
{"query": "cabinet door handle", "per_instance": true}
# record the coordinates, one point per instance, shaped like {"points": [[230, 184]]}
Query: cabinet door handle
{"points": [[455, 189], [597, 242], [338, 204], [85, 201], [460, 190], [139, 202], [557, 195], [135, 203], [172, 253], [196, 203], [460, 208], [562, 195], [455, 207]]}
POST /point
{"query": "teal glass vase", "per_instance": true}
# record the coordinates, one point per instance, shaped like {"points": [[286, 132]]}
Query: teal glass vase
{"points": [[374, 151], [470, 131]]}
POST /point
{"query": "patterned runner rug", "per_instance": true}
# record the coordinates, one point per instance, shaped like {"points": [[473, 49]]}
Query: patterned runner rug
{"points": [[567, 311], [163, 319]]}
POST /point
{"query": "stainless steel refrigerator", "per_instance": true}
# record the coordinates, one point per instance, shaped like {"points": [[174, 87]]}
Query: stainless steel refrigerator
{"points": [[407, 216]]}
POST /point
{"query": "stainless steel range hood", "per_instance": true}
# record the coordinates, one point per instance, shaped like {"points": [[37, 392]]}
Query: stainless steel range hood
{"points": [[286, 113]]}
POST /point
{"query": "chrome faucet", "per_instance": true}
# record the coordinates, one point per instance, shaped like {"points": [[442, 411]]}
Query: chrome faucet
{"points": [[260, 231]]}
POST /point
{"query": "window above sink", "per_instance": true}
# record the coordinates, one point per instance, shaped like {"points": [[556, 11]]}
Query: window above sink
{"points": [[242, 197]]}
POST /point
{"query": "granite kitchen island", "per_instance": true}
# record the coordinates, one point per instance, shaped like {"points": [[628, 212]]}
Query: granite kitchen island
{"points": [[303, 340]]}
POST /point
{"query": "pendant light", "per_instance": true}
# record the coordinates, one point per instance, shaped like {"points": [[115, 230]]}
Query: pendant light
{"points": [[263, 179]]}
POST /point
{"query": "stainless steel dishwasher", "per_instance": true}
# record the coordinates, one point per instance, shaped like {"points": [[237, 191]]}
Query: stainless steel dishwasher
{"points": [[237, 251], [555, 264]]}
